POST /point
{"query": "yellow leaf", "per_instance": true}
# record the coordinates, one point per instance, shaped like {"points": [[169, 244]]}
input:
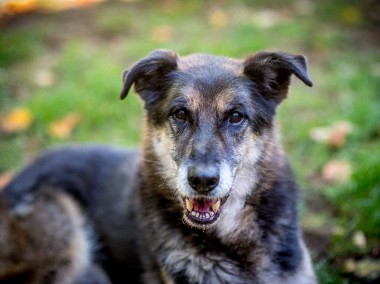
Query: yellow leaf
{"points": [[337, 171], [267, 18], [334, 136], [20, 6], [162, 34], [44, 78], [367, 269], [58, 5], [17, 120], [172, 7], [350, 15], [359, 240], [5, 178], [63, 128], [218, 19], [349, 265]]}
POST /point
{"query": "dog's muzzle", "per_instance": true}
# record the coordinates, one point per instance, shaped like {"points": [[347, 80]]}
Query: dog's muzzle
{"points": [[202, 209]]}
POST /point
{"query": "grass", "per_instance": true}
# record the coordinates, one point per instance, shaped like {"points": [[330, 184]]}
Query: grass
{"points": [[86, 51]]}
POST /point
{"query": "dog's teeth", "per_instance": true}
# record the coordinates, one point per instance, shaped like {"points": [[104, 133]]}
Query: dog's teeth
{"points": [[197, 215], [211, 213], [207, 215], [193, 213], [189, 205], [215, 206]]}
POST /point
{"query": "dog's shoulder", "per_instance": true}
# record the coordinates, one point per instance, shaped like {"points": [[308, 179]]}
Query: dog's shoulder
{"points": [[76, 169]]}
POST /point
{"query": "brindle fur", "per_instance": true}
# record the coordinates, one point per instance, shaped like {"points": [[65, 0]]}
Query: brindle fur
{"points": [[134, 204]]}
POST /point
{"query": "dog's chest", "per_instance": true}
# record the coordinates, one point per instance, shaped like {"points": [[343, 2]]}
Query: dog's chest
{"points": [[188, 261], [188, 267]]}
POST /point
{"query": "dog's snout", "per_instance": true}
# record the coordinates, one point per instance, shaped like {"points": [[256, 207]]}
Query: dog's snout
{"points": [[203, 178]]}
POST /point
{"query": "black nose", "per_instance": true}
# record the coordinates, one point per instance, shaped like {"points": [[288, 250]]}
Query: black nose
{"points": [[203, 178]]}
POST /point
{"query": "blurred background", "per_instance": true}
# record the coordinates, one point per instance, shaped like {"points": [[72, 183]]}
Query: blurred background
{"points": [[60, 77]]}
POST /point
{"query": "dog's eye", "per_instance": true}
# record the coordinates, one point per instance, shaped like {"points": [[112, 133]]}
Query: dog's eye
{"points": [[180, 114], [236, 118]]}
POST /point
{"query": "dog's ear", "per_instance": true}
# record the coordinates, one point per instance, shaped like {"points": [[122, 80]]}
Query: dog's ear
{"points": [[150, 74], [271, 71]]}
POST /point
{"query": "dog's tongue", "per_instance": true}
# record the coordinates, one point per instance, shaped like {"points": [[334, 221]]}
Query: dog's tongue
{"points": [[201, 205]]}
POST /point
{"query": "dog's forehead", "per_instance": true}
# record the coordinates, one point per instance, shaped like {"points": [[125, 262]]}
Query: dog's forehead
{"points": [[206, 78], [199, 63]]}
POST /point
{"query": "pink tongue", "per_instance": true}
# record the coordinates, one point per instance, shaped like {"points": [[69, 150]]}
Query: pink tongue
{"points": [[202, 205]]}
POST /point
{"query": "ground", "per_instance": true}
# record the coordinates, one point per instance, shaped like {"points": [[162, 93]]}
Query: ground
{"points": [[60, 77]]}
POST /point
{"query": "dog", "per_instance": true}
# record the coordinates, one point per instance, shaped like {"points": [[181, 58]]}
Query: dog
{"points": [[210, 197]]}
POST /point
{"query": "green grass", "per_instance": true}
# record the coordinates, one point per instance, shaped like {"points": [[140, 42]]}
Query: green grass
{"points": [[87, 50]]}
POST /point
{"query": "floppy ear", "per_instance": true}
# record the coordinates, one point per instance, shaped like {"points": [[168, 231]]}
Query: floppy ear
{"points": [[271, 72], [150, 74]]}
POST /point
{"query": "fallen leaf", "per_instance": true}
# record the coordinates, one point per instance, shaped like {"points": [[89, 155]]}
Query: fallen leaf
{"points": [[169, 6], [20, 6], [267, 18], [23, 6], [320, 134], [44, 78], [5, 178], [16, 120], [67, 4], [218, 19], [368, 269], [350, 15], [359, 240], [334, 136], [162, 34], [63, 128], [339, 133], [349, 265], [337, 171]]}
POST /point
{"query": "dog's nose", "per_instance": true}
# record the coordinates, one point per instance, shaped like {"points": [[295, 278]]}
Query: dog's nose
{"points": [[203, 178]]}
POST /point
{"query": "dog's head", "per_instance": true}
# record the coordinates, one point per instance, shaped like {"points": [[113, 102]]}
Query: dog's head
{"points": [[208, 120]]}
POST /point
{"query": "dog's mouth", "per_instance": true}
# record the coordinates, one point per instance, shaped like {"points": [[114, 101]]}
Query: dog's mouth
{"points": [[202, 212]]}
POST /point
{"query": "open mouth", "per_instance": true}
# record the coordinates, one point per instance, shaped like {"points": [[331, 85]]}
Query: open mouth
{"points": [[202, 212]]}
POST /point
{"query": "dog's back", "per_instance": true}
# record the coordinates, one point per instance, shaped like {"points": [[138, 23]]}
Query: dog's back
{"points": [[68, 215]]}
